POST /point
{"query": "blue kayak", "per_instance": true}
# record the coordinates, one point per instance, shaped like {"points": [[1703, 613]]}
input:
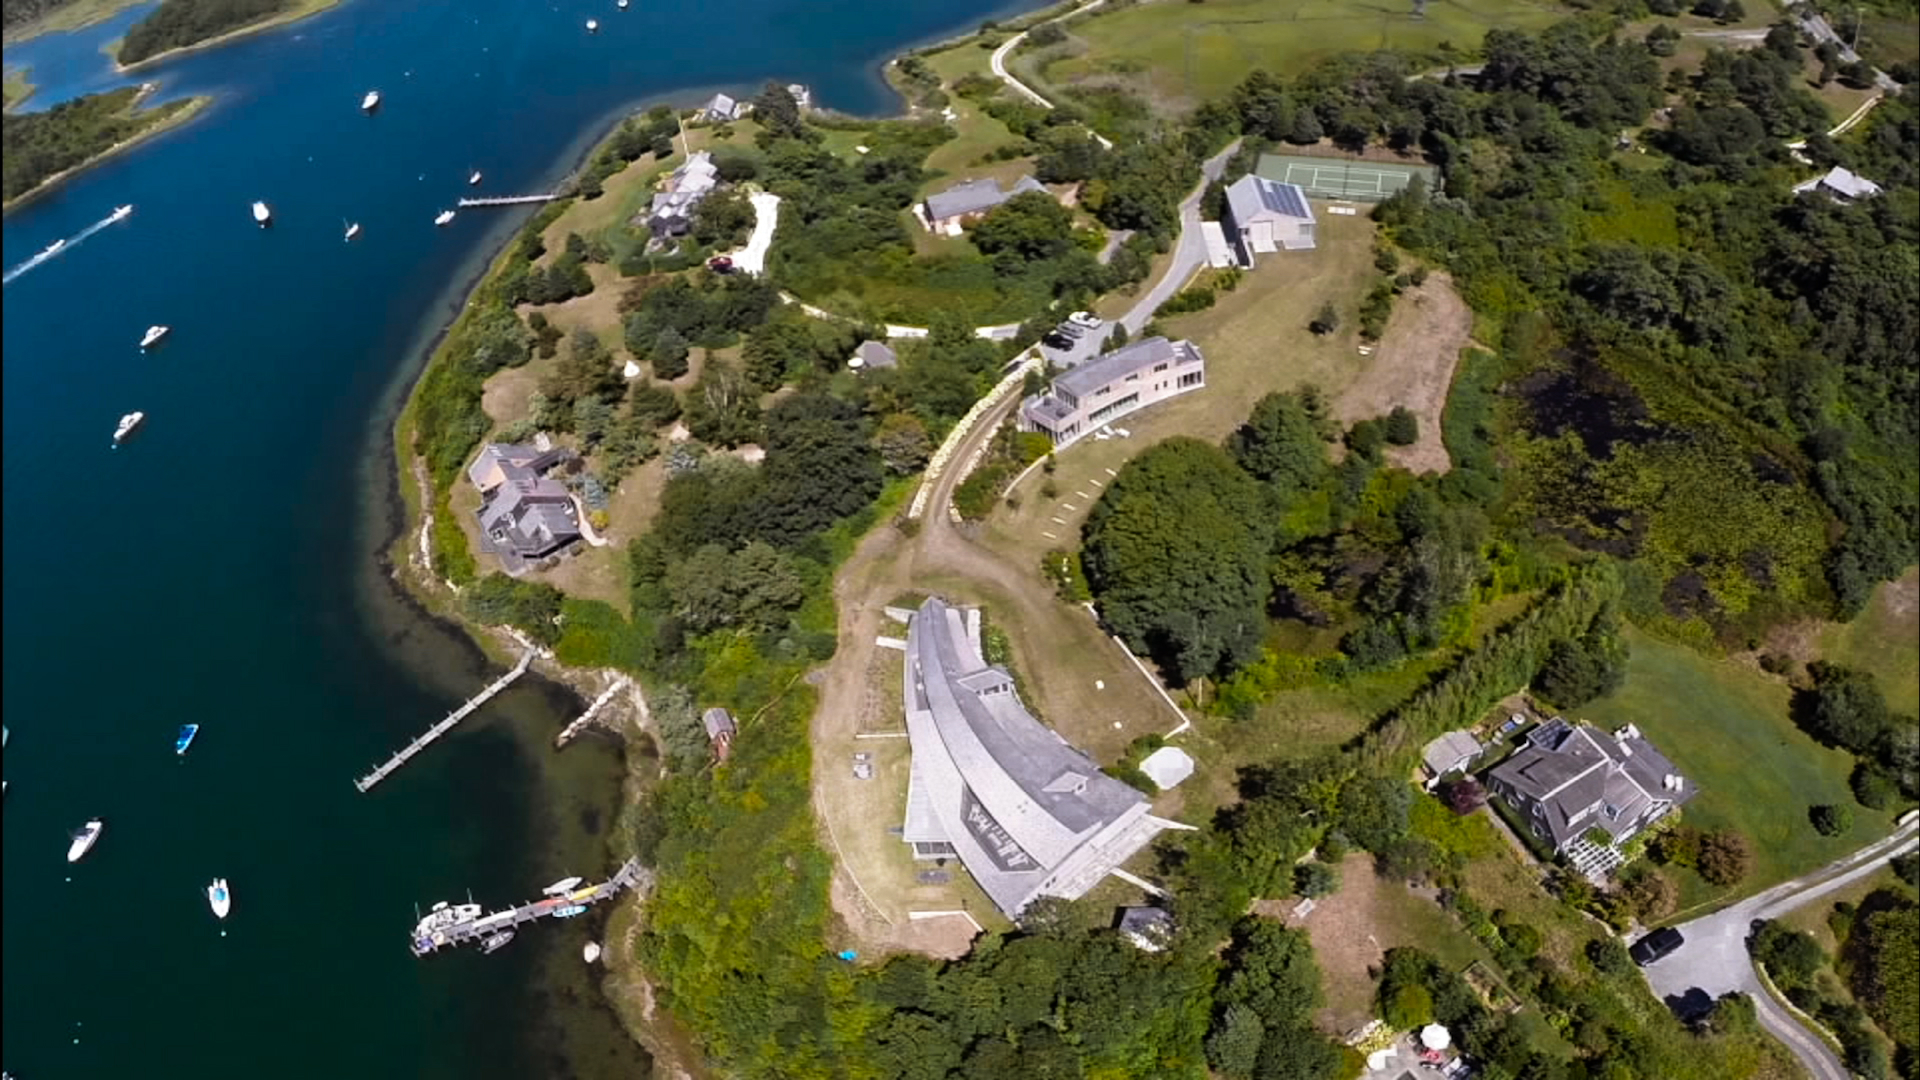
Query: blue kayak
{"points": [[185, 738]]}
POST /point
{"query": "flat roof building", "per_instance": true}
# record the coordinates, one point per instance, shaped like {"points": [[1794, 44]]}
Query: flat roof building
{"points": [[1026, 813], [1109, 387]]}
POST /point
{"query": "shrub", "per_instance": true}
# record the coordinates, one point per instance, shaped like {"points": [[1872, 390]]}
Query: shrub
{"points": [[1725, 857], [1408, 1007], [1402, 428], [1831, 819], [1315, 879], [1609, 956], [1326, 321]]}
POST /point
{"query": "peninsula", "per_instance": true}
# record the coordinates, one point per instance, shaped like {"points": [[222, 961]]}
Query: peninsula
{"points": [[182, 25], [43, 148]]}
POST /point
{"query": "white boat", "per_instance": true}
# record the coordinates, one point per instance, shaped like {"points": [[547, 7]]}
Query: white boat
{"points": [[443, 217], [53, 247], [563, 886], [84, 840], [120, 212], [495, 942], [474, 179], [370, 102], [219, 898], [591, 952], [127, 423], [261, 214], [593, 26], [444, 915], [622, 4], [153, 334], [353, 230], [569, 911]]}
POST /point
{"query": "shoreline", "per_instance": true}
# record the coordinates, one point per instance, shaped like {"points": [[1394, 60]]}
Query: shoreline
{"points": [[304, 10], [53, 22], [194, 106]]}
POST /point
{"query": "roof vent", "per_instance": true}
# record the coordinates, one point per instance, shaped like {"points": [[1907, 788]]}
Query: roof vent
{"points": [[1067, 783]]}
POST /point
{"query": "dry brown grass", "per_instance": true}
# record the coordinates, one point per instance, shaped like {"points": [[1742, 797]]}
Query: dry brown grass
{"points": [[1413, 368]]}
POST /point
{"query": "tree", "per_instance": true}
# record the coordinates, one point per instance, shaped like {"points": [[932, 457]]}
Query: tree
{"points": [[1270, 969], [1588, 667], [1886, 967], [669, 354], [1831, 819], [1326, 321], [1791, 957], [776, 348], [1030, 227], [1609, 956], [1844, 708], [1663, 40], [723, 408], [1313, 879], [1234, 1043], [682, 736], [585, 371], [1306, 128], [1465, 795], [1409, 1008], [1402, 428], [1374, 811], [753, 588], [1652, 895], [592, 417], [1282, 443], [1725, 857], [902, 442], [820, 466]]}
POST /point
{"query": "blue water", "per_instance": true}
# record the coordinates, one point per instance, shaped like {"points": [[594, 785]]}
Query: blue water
{"points": [[224, 567]]}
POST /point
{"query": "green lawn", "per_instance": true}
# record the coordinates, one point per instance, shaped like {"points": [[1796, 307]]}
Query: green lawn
{"points": [[1183, 54], [1726, 727], [1884, 640]]}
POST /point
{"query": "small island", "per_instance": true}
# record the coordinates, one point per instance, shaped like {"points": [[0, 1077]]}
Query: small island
{"points": [[178, 25], [41, 148]]}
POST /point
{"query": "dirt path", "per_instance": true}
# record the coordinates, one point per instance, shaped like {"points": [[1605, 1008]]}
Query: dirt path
{"points": [[1414, 369]]}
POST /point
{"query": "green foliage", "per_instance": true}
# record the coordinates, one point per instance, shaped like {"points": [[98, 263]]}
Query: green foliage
{"points": [[1283, 443], [39, 144], [1590, 666], [1315, 879], [1791, 957], [1609, 956], [176, 24], [1402, 427], [754, 588], [1831, 819], [529, 606], [1885, 957]]}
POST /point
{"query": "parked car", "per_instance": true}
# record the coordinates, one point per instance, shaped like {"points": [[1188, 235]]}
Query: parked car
{"points": [[1656, 945], [720, 264], [1057, 340], [1085, 319]]}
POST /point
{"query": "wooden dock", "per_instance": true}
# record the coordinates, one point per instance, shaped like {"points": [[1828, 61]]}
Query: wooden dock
{"points": [[393, 763], [631, 875], [510, 200]]}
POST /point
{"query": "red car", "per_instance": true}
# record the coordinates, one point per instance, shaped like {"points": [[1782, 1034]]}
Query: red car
{"points": [[720, 264]]}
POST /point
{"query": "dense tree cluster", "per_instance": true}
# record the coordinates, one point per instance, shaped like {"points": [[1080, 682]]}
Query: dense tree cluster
{"points": [[176, 24], [1844, 708], [39, 144]]}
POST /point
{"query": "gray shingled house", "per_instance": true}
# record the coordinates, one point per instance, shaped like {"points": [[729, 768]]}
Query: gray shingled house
{"points": [[720, 108], [873, 354], [525, 515], [951, 210], [1570, 778], [671, 213], [1024, 811]]}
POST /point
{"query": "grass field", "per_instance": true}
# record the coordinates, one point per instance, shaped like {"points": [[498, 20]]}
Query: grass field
{"points": [[1182, 54], [1884, 640], [68, 17], [1726, 726]]}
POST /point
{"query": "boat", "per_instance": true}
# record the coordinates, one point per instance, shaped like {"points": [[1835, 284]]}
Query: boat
{"points": [[443, 217], [220, 899], [474, 179], [569, 911], [593, 26], [127, 424], [84, 840], [621, 4], [585, 894], [443, 916], [494, 942], [353, 230], [120, 212], [591, 952], [53, 247], [262, 215], [153, 334], [370, 102], [562, 887], [185, 738]]}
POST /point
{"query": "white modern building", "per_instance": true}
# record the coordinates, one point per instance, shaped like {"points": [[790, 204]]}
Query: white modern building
{"points": [[1025, 812], [1840, 185], [1265, 216], [1109, 387]]}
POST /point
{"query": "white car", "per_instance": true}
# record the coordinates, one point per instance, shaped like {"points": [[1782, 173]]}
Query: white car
{"points": [[1084, 319]]}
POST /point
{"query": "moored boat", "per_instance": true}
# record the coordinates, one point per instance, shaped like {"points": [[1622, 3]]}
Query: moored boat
{"points": [[569, 911], [494, 942], [185, 738], [261, 214], [370, 102], [622, 4], [84, 840], [443, 217], [562, 887], [473, 179], [153, 335], [127, 425], [593, 26], [353, 230], [219, 898]]}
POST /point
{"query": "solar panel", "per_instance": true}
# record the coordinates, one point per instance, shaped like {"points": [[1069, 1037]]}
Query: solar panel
{"points": [[1286, 198]]}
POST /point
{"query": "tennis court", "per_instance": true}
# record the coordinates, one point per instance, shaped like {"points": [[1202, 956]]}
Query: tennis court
{"points": [[1337, 178]]}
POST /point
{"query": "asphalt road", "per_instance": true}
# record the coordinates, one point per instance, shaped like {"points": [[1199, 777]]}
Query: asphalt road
{"points": [[1189, 251], [1714, 958]]}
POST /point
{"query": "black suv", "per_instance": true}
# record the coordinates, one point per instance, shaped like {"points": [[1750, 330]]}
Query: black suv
{"points": [[1656, 945]]}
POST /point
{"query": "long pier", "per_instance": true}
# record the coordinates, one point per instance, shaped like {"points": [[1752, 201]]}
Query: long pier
{"points": [[629, 876], [393, 763], [510, 200]]}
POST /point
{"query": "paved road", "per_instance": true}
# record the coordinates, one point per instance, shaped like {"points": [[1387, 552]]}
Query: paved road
{"points": [[998, 61], [1819, 30], [1714, 959], [1189, 251]]}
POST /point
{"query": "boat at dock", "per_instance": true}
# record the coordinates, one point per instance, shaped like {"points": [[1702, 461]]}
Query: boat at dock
{"points": [[120, 213], [185, 738], [127, 425], [443, 217], [444, 916], [84, 840], [370, 102], [219, 898], [569, 911], [153, 335], [495, 942], [562, 887], [262, 215]]}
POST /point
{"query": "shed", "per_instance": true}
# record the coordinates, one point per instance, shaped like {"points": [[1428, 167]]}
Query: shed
{"points": [[1454, 751], [720, 729], [1167, 766], [873, 354]]}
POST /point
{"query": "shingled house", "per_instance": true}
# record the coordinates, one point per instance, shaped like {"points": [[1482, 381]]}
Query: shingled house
{"points": [[672, 211], [525, 515], [1026, 813], [952, 210], [1570, 778]]}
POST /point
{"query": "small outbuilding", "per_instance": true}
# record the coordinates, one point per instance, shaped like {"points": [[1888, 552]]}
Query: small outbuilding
{"points": [[1455, 751], [1147, 928], [720, 108], [873, 354], [720, 729], [1167, 766], [1840, 185]]}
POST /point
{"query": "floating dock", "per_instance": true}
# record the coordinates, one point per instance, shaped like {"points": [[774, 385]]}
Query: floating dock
{"points": [[509, 200], [631, 875], [393, 763]]}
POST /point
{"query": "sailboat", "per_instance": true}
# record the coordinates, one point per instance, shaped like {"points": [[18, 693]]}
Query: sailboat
{"points": [[353, 230]]}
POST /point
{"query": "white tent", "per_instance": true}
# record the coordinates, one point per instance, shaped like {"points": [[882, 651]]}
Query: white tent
{"points": [[1435, 1037]]}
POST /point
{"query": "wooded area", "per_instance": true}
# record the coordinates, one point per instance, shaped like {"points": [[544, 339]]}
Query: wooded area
{"points": [[178, 23], [37, 145]]}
